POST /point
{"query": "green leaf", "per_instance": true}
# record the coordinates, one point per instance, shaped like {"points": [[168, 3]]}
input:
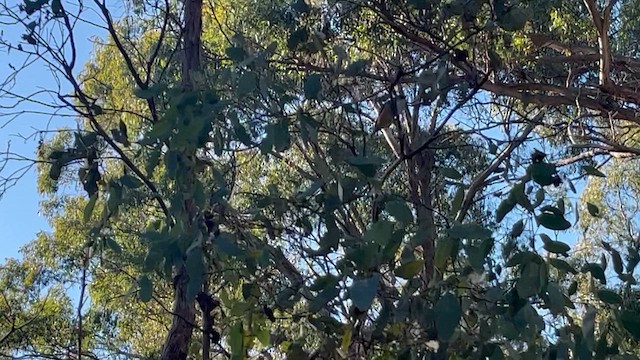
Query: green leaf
{"points": [[236, 341], [356, 68], [236, 54], [514, 19], [146, 288], [226, 243], [56, 8], [160, 130], [367, 165], [529, 281], [556, 247], [247, 83], [573, 288], [195, 270], [630, 320], [148, 93], [493, 148], [281, 135], [152, 162], [172, 161], [628, 278], [553, 221], [32, 6], [250, 290], [517, 228], [590, 170], [113, 245], [517, 194], [504, 208], [609, 297], [131, 181], [448, 314], [596, 271], [477, 253], [542, 173], [263, 336], [242, 135], [324, 282], [457, 200], [88, 209], [312, 86], [593, 210], [556, 302], [588, 326], [617, 261], [469, 231], [363, 291], [409, 269], [400, 211], [451, 173], [300, 6], [523, 258], [562, 265], [380, 233], [296, 38], [323, 298], [151, 260], [444, 251]]}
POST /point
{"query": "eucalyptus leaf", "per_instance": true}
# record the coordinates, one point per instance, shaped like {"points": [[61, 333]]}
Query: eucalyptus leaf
{"points": [[542, 173], [504, 208], [363, 291], [146, 288], [409, 269], [236, 341], [553, 221], [596, 271], [448, 314], [88, 209], [590, 170], [247, 83], [609, 297], [469, 231], [312, 86], [593, 210], [399, 210], [517, 228], [451, 173], [562, 266]]}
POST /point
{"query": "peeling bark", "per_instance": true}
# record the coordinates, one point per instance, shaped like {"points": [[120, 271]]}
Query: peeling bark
{"points": [[176, 345]]}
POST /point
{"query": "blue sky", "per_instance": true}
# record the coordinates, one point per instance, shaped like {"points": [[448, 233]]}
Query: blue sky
{"points": [[19, 219]]}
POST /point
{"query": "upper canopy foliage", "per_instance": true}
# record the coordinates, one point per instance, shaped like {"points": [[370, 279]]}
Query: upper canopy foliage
{"points": [[225, 155]]}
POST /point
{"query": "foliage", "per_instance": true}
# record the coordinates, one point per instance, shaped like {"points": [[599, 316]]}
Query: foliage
{"points": [[242, 174]]}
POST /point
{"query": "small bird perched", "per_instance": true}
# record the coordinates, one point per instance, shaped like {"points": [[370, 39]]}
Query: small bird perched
{"points": [[386, 116]]}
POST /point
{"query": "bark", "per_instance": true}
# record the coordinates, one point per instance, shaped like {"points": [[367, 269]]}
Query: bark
{"points": [[420, 185], [176, 346]]}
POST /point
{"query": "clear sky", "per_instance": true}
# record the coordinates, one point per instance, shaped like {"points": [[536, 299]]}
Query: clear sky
{"points": [[19, 219]]}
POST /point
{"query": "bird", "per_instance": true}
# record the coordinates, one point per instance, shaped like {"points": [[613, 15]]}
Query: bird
{"points": [[385, 117]]}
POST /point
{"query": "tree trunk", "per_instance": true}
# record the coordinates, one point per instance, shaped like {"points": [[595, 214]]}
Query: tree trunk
{"points": [[176, 345], [420, 185]]}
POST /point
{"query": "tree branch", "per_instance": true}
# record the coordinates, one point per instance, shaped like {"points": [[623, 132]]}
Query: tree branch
{"points": [[477, 184]]}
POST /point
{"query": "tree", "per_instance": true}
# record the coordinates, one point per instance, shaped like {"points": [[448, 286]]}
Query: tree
{"points": [[227, 158]]}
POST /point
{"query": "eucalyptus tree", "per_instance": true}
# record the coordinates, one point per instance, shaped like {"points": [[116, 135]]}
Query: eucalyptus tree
{"points": [[330, 179]]}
